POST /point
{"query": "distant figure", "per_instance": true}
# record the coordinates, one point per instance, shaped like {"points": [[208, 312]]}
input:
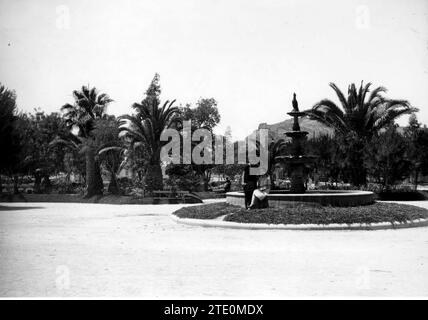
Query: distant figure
{"points": [[295, 103], [316, 178], [249, 184], [227, 185], [259, 199]]}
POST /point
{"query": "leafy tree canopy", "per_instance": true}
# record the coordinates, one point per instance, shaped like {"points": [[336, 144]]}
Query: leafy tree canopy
{"points": [[9, 138]]}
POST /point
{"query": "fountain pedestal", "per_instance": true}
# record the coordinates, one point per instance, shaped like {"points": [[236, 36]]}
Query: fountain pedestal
{"points": [[297, 160], [297, 179]]}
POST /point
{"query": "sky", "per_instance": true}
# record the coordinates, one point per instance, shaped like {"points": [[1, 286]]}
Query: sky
{"points": [[250, 55]]}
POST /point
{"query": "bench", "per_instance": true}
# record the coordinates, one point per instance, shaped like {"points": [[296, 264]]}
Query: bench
{"points": [[170, 195], [218, 189], [221, 189]]}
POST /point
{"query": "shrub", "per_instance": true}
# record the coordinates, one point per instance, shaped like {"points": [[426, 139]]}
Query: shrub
{"points": [[402, 195], [62, 187]]}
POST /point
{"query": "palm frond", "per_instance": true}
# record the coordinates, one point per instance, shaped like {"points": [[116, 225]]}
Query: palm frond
{"points": [[376, 93], [64, 142], [340, 95], [104, 150]]}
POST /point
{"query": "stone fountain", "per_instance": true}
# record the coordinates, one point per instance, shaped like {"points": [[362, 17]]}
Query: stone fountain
{"points": [[297, 161]]}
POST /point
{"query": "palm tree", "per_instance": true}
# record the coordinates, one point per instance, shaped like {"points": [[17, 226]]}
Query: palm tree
{"points": [[145, 128], [111, 157], [81, 118], [363, 113], [275, 149], [110, 149]]}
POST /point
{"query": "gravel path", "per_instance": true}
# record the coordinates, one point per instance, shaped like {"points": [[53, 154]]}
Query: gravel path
{"points": [[63, 249]]}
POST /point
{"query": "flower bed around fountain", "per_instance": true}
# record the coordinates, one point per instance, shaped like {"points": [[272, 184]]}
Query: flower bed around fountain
{"points": [[336, 198], [301, 216]]}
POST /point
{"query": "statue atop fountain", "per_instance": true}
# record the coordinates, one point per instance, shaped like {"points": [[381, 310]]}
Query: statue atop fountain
{"points": [[295, 103]]}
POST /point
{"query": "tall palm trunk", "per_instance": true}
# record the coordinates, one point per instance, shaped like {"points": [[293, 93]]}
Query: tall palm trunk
{"points": [[37, 182], [93, 175], [354, 148], [46, 183], [113, 187], [15, 184], [98, 177], [154, 178], [415, 182], [206, 176], [358, 174]]}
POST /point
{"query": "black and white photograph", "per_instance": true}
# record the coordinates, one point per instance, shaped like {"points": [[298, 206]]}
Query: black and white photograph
{"points": [[213, 150]]}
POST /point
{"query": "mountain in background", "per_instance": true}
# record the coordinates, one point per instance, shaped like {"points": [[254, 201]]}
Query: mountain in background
{"points": [[277, 130], [315, 129]]}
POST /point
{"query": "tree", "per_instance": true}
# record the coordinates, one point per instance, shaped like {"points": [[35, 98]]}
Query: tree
{"points": [[73, 162], [183, 177], [135, 158], [9, 138], [417, 142], [153, 92], [204, 115], [146, 127], [363, 114], [386, 157], [228, 169], [275, 149], [38, 158], [110, 148], [328, 156], [81, 118]]}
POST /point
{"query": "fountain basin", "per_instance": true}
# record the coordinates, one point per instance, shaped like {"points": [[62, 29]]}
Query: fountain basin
{"points": [[335, 198]]}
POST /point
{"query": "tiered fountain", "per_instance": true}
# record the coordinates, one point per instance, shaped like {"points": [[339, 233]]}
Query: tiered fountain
{"points": [[297, 160], [297, 193]]}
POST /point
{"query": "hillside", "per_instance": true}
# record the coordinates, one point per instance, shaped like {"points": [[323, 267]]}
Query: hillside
{"points": [[277, 130]]}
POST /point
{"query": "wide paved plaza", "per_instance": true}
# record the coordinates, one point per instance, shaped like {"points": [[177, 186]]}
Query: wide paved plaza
{"points": [[64, 249]]}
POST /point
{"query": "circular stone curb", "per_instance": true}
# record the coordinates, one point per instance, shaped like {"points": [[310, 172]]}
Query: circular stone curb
{"points": [[335, 198], [333, 226]]}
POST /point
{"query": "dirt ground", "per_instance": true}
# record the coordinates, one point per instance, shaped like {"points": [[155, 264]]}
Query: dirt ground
{"points": [[94, 250]]}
